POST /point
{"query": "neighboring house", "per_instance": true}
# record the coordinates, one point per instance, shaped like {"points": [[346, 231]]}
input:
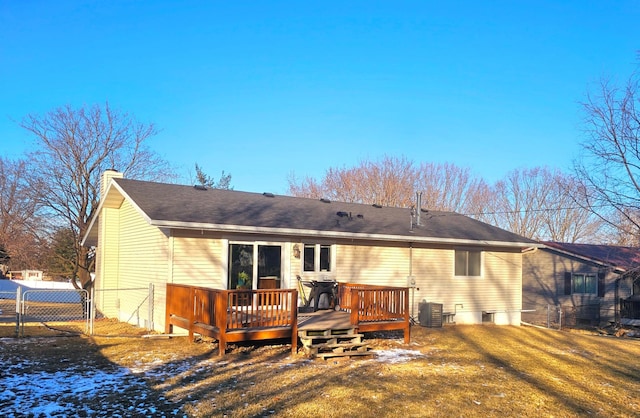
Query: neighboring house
{"points": [[26, 275], [582, 281], [158, 233]]}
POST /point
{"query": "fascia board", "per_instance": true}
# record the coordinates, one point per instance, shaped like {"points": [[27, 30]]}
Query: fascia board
{"points": [[132, 202], [587, 259], [101, 205], [332, 234]]}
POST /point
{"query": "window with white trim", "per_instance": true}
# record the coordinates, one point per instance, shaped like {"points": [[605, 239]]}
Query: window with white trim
{"points": [[255, 265], [317, 257], [468, 263]]}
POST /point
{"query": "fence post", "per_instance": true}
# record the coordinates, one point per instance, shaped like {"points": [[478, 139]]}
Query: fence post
{"points": [[18, 298], [560, 317], [150, 324], [92, 309]]}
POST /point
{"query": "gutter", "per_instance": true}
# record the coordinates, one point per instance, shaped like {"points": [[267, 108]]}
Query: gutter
{"points": [[331, 234]]}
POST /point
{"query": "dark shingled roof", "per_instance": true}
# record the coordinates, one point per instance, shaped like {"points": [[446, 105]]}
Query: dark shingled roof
{"points": [[622, 257], [186, 206]]}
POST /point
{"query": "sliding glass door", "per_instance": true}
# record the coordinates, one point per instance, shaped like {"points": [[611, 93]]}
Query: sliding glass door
{"points": [[255, 266]]}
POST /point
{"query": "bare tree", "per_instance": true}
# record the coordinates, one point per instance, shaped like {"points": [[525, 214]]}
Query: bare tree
{"points": [[307, 187], [568, 218], [517, 202], [21, 228], [539, 203], [388, 182], [449, 187], [73, 148], [610, 165], [394, 182]]}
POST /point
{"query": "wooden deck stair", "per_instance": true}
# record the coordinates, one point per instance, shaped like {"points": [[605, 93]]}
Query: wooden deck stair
{"points": [[333, 343]]}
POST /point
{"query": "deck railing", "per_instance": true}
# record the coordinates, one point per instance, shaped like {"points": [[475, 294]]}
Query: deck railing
{"points": [[245, 315], [629, 309], [376, 308], [233, 315]]}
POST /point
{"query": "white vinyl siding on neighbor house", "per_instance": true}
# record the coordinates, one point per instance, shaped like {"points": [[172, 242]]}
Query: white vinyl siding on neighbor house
{"points": [[199, 260]]}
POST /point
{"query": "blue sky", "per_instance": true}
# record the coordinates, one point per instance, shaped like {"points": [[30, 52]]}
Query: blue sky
{"points": [[267, 89]]}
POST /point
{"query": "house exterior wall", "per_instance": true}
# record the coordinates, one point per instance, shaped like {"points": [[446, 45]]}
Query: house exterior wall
{"points": [[198, 259], [133, 255], [543, 288], [26, 275], [107, 261], [497, 290]]}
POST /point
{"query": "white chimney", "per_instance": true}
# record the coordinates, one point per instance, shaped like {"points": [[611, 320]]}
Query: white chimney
{"points": [[106, 179]]}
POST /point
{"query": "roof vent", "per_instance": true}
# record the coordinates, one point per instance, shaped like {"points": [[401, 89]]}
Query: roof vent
{"points": [[267, 194], [360, 216], [342, 214], [325, 200], [199, 187], [376, 205]]}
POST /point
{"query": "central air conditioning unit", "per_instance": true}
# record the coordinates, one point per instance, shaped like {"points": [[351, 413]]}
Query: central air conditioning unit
{"points": [[430, 314]]}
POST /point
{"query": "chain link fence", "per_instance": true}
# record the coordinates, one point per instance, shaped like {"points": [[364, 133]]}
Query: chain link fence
{"points": [[7, 307], [57, 310], [122, 311], [562, 316], [43, 312]]}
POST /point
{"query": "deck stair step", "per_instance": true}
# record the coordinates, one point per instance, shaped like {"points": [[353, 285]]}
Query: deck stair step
{"points": [[333, 343]]}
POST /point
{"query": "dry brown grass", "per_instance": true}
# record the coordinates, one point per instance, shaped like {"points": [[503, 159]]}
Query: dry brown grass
{"points": [[452, 371]]}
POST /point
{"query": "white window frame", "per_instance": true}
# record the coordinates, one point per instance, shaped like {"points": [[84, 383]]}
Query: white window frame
{"points": [[468, 250], [255, 245], [316, 262]]}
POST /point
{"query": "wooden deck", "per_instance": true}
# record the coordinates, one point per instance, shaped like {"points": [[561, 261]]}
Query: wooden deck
{"points": [[248, 315], [325, 319]]}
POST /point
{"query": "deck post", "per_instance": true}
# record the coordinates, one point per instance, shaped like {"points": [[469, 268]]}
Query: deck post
{"points": [[192, 311], [407, 326], [168, 328], [221, 302], [294, 321], [355, 304]]}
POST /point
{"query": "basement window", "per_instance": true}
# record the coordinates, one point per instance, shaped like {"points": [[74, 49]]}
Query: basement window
{"points": [[468, 263]]}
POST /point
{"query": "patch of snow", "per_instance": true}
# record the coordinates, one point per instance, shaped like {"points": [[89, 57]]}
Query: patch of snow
{"points": [[397, 355]]}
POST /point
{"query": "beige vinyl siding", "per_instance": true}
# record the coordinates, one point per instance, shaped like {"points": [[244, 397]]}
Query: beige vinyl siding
{"points": [[199, 261], [293, 265], [433, 270], [504, 273], [372, 264], [497, 289], [107, 261], [143, 259]]}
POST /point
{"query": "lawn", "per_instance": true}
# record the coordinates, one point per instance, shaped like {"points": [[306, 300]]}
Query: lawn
{"points": [[457, 370]]}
